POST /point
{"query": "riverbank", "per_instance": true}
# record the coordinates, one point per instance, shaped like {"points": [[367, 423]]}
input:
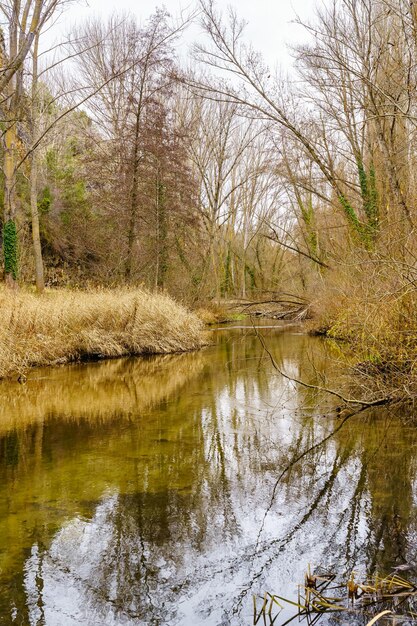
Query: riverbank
{"points": [[381, 332], [65, 326], [286, 307]]}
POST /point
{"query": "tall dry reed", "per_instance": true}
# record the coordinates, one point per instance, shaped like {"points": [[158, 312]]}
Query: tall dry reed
{"points": [[62, 326]]}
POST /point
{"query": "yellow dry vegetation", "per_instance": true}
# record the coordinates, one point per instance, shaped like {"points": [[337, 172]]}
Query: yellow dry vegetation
{"points": [[377, 315], [212, 313], [63, 326]]}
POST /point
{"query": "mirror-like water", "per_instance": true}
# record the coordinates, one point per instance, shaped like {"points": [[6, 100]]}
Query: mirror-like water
{"points": [[145, 491]]}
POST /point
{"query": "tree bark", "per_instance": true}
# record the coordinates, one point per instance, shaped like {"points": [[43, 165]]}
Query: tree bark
{"points": [[34, 211]]}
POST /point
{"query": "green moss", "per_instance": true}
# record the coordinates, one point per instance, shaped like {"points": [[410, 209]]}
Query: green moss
{"points": [[251, 274], [369, 198], [350, 213], [10, 248], [365, 231]]}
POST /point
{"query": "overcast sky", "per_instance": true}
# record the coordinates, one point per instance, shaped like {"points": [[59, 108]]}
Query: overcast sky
{"points": [[269, 21]]}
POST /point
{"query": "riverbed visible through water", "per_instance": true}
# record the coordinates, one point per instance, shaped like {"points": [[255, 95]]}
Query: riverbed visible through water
{"points": [[148, 491]]}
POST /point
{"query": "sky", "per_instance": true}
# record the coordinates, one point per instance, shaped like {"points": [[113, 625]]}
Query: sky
{"points": [[269, 26]]}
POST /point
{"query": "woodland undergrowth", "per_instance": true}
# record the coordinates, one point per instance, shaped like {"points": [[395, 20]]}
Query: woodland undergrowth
{"points": [[375, 312]]}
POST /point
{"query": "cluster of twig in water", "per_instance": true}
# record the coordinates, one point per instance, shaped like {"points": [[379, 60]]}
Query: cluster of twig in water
{"points": [[319, 596]]}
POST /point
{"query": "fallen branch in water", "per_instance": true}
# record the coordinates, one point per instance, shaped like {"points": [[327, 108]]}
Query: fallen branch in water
{"points": [[354, 401]]}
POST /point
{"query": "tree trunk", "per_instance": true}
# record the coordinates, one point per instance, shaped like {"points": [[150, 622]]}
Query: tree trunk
{"points": [[36, 239], [34, 211], [133, 200], [161, 221], [135, 177], [9, 166]]}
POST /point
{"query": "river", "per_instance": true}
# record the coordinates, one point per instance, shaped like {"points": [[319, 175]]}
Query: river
{"points": [[147, 491]]}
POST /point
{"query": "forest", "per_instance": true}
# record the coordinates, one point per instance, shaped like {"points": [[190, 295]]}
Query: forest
{"points": [[214, 177], [158, 180]]}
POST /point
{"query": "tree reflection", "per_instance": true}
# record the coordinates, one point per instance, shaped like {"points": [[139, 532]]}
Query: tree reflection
{"points": [[163, 505]]}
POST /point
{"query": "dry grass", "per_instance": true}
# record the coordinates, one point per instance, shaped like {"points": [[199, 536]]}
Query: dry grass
{"points": [[62, 326], [376, 312], [213, 313], [361, 600]]}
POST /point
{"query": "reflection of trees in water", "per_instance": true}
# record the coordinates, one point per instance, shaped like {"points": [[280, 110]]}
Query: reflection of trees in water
{"points": [[359, 509], [373, 462], [95, 391], [71, 446], [389, 458], [135, 573], [194, 479]]}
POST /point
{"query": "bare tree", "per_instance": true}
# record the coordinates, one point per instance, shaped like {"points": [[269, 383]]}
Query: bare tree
{"points": [[23, 25], [139, 63]]}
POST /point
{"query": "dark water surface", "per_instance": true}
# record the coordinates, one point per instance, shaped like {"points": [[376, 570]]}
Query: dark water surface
{"points": [[144, 491]]}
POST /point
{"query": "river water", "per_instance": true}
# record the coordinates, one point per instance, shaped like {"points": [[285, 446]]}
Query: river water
{"points": [[147, 491]]}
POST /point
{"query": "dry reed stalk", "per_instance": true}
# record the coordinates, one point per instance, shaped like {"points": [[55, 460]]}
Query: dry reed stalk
{"points": [[378, 617], [377, 315]]}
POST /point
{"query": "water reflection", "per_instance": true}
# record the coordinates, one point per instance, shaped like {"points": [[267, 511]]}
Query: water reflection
{"points": [[145, 492]]}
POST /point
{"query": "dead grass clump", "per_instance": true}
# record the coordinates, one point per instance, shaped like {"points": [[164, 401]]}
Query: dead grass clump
{"points": [[62, 326]]}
